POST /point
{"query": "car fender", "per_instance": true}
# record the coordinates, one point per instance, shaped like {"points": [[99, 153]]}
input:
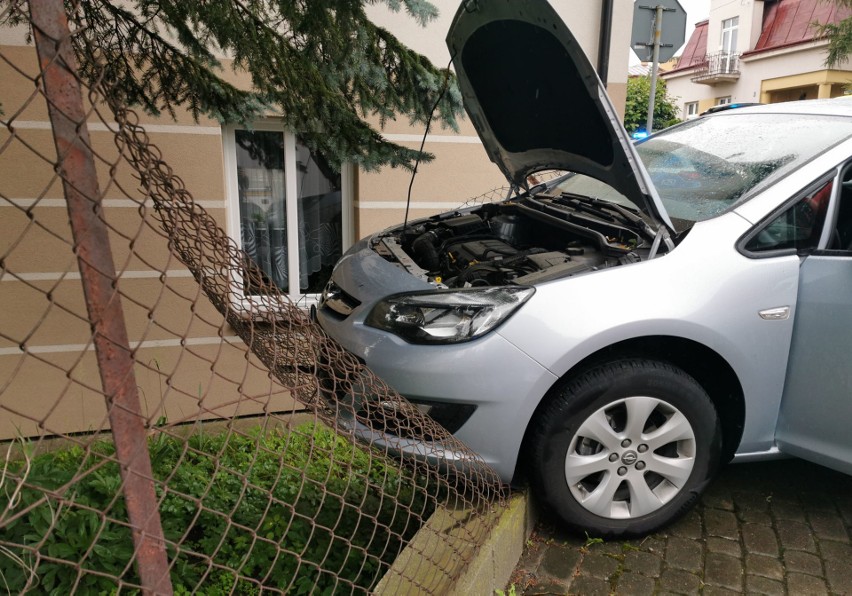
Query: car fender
{"points": [[712, 297]]}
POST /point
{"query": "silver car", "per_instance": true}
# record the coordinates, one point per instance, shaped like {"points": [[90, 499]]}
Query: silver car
{"points": [[614, 335]]}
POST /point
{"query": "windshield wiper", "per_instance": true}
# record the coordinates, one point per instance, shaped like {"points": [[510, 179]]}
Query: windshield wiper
{"points": [[605, 210], [591, 207]]}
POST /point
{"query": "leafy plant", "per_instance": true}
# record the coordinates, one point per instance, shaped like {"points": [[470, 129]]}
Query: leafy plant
{"points": [[638, 98], [305, 511]]}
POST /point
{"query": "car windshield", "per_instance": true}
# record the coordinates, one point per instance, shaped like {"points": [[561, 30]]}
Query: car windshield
{"points": [[704, 167]]}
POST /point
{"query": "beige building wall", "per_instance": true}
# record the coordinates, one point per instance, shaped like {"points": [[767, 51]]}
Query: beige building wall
{"points": [[191, 365], [49, 381], [682, 90]]}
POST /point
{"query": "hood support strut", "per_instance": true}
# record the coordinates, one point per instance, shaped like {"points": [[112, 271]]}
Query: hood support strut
{"points": [[604, 41]]}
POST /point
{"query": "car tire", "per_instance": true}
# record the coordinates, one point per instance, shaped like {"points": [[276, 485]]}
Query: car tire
{"points": [[624, 448]]}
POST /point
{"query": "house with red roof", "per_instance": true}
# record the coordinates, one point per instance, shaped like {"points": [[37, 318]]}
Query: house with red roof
{"points": [[765, 51]]}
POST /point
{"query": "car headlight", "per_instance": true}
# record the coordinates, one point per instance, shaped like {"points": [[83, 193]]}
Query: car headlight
{"points": [[440, 317]]}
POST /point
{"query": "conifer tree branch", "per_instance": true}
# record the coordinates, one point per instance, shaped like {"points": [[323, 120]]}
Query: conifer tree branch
{"points": [[321, 65], [839, 36]]}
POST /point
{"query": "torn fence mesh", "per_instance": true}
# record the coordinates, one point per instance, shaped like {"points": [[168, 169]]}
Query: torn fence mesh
{"points": [[274, 453]]}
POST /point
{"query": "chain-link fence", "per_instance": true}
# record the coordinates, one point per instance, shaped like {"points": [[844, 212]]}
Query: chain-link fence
{"points": [[158, 432]]}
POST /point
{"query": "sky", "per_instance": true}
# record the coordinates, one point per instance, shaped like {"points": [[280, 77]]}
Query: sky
{"points": [[696, 10]]}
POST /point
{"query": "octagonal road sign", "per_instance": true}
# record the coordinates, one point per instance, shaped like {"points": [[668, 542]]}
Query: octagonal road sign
{"points": [[671, 36]]}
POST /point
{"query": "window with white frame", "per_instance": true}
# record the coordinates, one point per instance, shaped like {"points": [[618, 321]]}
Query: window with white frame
{"points": [[723, 101], [288, 209], [729, 35], [729, 43], [690, 109]]}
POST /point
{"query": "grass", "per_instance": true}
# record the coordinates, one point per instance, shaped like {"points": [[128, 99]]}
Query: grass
{"points": [[304, 512]]}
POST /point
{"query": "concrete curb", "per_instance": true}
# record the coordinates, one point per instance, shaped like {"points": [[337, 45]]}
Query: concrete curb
{"points": [[443, 539]]}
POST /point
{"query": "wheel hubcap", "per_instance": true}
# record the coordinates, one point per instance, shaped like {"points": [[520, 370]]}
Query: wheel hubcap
{"points": [[630, 457]]}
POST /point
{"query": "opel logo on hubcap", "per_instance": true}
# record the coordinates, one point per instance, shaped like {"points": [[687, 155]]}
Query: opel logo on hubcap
{"points": [[629, 458]]}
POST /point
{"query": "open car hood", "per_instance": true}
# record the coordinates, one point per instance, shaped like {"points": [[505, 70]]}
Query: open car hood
{"points": [[536, 101]]}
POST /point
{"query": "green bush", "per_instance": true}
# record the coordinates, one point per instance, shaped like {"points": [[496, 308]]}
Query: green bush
{"points": [[305, 510], [638, 98]]}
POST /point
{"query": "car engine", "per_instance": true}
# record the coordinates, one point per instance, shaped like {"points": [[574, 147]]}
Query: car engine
{"points": [[524, 242]]}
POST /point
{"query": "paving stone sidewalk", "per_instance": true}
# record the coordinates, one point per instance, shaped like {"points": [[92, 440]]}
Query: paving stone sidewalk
{"points": [[770, 528]]}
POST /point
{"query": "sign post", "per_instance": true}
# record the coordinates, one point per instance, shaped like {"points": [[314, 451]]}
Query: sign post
{"points": [[652, 42], [655, 64]]}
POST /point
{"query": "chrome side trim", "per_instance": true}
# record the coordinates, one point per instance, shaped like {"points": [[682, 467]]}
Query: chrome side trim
{"points": [[754, 456]]}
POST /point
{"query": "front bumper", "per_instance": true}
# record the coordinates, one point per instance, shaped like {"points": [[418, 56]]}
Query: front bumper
{"points": [[502, 382]]}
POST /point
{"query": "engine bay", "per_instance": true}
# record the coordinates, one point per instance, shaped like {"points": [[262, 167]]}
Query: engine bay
{"points": [[522, 241]]}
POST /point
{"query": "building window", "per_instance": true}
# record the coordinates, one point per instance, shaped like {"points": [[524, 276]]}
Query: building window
{"points": [[729, 35], [723, 101], [690, 109], [729, 42], [289, 210]]}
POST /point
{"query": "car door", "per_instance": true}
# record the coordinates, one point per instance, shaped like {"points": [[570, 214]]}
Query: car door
{"points": [[816, 407]]}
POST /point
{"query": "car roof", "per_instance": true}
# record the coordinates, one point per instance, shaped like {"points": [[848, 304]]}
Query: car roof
{"points": [[840, 106]]}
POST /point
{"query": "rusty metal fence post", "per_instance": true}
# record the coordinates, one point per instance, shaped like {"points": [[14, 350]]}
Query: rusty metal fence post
{"points": [[76, 167]]}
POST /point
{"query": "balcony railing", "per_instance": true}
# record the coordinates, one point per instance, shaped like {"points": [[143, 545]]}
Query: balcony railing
{"points": [[720, 67]]}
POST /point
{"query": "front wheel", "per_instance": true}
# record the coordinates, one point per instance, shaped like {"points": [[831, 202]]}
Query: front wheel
{"points": [[625, 448]]}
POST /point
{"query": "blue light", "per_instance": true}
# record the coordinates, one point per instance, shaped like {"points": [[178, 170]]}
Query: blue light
{"points": [[640, 134]]}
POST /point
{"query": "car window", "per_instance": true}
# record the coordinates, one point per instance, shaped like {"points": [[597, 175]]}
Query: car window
{"points": [[841, 235], [798, 227], [705, 167]]}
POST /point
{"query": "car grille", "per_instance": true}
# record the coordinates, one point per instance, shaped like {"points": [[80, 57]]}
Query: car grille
{"points": [[338, 301]]}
